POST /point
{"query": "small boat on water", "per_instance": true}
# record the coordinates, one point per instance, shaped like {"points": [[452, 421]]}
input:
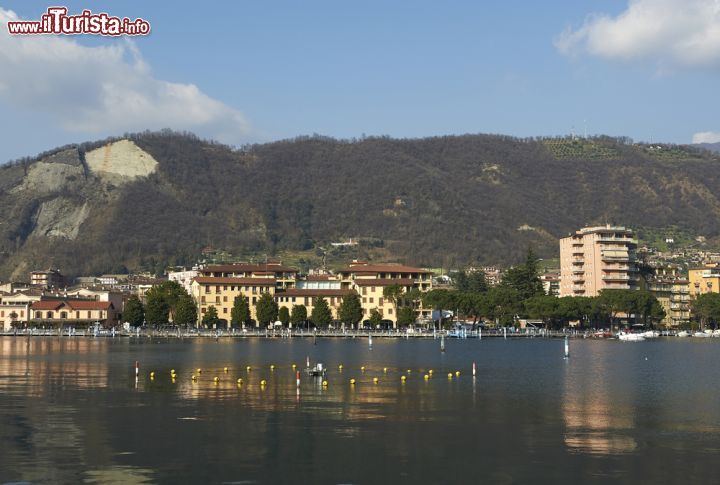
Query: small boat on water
{"points": [[705, 334], [602, 334], [317, 371], [651, 334], [683, 333], [630, 337]]}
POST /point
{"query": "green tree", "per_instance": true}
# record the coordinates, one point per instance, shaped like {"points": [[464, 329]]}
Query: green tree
{"points": [[266, 309], [542, 307], [185, 311], [350, 311], [157, 309], [503, 303], [405, 316], [210, 319], [706, 309], [375, 318], [133, 312], [524, 278], [321, 315], [460, 281], [240, 313], [298, 315], [284, 315], [161, 301], [477, 282]]}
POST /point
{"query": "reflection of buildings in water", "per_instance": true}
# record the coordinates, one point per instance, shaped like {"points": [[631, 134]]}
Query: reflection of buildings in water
{"points": [[27, 364], [596, 421], [365, 400]]}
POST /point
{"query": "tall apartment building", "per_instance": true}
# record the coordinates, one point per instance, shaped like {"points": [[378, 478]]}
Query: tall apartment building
{"points": [[597, 258], [672, 292]]}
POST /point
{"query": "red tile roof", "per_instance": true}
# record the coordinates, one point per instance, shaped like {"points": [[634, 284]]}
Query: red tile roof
{"points": [[210, 280], [384, 281], [320, 277], [313, 292], [247, 268], [381, 268], [72, 305]]}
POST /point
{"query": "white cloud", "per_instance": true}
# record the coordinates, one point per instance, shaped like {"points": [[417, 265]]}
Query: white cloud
{"points": [[669, 32], [706, 137], [105, 89]]}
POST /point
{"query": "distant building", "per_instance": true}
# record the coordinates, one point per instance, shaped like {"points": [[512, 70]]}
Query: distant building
{"points": [[598, 258], [51, 278], [551, 283], [184, 277]]}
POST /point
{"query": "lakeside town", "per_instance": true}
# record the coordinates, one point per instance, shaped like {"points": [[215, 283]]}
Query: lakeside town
{"points": [[604, 280]]}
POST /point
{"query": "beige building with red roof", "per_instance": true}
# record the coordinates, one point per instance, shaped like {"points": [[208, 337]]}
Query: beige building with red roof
{"points": [[69, 311], [219, 285]]}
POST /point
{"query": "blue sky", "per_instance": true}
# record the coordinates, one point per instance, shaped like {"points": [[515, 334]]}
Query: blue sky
{"points": [[259, 71]]}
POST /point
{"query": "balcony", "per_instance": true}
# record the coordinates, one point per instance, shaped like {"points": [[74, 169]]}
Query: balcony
{"points": [[578, 271], [619, 277], [618, 240], [578, 288], [617, 258]]}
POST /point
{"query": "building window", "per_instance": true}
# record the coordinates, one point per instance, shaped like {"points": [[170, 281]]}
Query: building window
{"points": [[390, 311], [364, 300], [217, 299], [50, 314], [364, 290], [63, 315], [225, 298], [38, 314], [372, 300], [77, 315], [202, 299], [207, 289], [202, 310], [380, 301], [89, 314], [224, 310]]}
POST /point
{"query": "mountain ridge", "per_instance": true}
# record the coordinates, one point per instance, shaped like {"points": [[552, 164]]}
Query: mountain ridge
{"points": [[450, 200]]}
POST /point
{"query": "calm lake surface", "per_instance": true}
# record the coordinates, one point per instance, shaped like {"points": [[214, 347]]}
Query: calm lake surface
{"points": [[620, 412]]}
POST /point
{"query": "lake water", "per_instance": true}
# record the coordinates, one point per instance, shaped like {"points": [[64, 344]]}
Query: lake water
{"points": [[620, 412]]}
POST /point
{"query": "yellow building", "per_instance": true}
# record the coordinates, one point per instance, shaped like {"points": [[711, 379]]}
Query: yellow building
{"points": [[218, 286], [597, 258], [370, 280], [74, 312], [703, 280]]}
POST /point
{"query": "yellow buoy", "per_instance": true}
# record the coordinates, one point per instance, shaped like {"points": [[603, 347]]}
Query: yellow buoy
{"points": [[409, 371], [426, 377], [248, 368], [385, 370], [272, 366], [352, 381], [199, 371], [402, 378], [325, 383], [216, 379], [430, 372], [152, 375], [449, 375], [172, 371], [376, 380], [294, 366], [340, 367], [239, 381], [457, 373], [225, 370], [263, 382], [362, 368]]}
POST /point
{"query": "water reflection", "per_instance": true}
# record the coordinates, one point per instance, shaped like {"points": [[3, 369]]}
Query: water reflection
{"points": [[597, 419], [33, 366]]}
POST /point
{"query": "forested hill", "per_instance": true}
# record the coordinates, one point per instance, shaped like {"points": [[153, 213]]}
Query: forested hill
{"points": [[432, 201]]}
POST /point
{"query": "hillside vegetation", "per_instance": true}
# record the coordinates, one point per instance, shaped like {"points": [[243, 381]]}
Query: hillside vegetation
{"points": [[441, 201]]}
